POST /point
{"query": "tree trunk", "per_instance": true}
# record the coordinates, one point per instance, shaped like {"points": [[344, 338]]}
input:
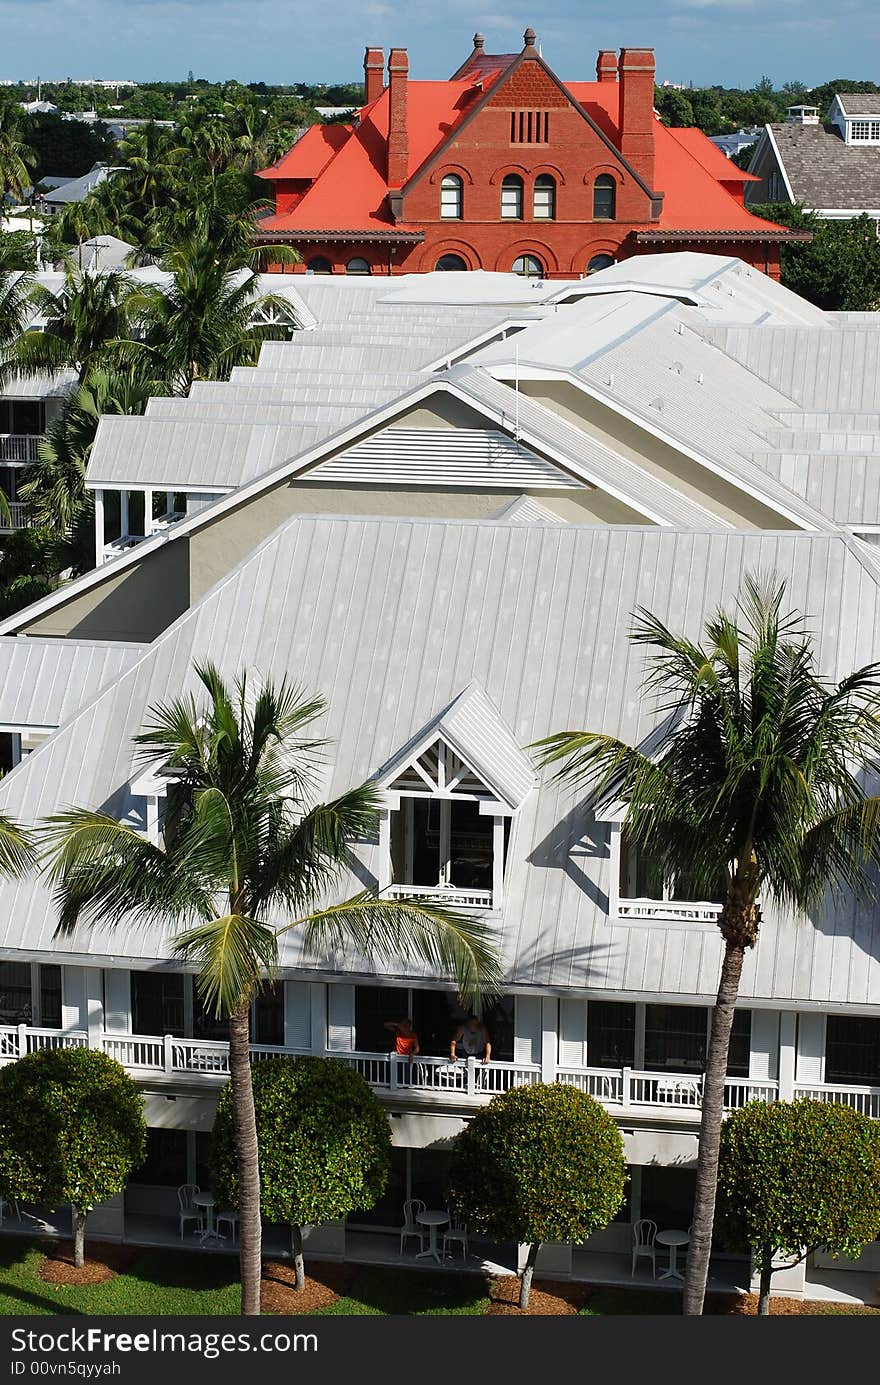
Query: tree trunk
{"points": [[525, 1284], [764, 1290], [79, 1237], [299, 1268], [247, 1154], [700, 1247]]}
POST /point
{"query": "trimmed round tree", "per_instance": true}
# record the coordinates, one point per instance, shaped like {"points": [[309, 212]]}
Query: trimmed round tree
{"points": [[72, 1129], [541, 1163], [324, 1142], [796, 1177]]}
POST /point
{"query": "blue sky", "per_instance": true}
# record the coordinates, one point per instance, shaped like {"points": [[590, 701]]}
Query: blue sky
{"points": [[732, 42]]}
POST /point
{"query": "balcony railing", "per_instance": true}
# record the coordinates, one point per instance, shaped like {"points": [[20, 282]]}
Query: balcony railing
{"points": [[19, 518], [466, 1081], [453, 895], [19, 447], [670, 910]]}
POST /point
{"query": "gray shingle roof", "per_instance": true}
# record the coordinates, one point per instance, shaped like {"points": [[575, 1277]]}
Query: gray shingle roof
{"points": [[824, 171], [859, 102]]}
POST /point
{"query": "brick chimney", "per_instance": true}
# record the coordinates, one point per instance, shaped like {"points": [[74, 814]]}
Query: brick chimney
{"points": [[636, 76], [398, 137], [374, 67], [606, 66]]}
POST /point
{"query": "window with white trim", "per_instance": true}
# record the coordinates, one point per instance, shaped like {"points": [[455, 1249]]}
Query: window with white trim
{"points": [[446, 835], [451, 197], [643, 892], [511, 197], [864, 131], [544, 198]]}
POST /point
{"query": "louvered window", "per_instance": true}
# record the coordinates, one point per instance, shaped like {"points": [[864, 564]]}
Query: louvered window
{"points": [[529, 127]]}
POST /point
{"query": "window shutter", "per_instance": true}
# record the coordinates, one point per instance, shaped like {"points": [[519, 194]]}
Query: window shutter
{"points": [[810, 1048], [573, 1033], [340, 1017], [297, 1015], [117, 1001], [527, 1029]]}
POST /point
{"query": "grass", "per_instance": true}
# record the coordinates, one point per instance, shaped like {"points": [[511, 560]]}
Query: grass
{"points": [[399, 1292]]}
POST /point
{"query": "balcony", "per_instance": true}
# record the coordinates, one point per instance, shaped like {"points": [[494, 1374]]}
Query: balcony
{"points": [[18, 517], [19, 447], [454, 897]]}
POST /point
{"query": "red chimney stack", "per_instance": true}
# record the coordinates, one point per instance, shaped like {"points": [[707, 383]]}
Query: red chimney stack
{"points": [[636, 76], [398, 136], [606, 66], [374, 66]]}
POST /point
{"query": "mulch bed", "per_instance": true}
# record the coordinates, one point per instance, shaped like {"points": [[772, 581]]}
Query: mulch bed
{"points": [[103, 1261], [326, 1282], [790, 1307], [548, 1298]]}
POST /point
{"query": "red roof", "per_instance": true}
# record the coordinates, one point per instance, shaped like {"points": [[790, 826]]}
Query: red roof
{"points": [[348, 163]]}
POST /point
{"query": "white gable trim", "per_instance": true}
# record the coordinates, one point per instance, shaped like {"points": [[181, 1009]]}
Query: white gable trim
{"points": [[779, 163]]}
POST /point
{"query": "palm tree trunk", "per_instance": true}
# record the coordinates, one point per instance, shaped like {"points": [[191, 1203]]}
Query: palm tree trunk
{"points": [[525, 1283], [764, 1288], [79, 1237], [299, 1269], [246, 1149], [710, 1131]]}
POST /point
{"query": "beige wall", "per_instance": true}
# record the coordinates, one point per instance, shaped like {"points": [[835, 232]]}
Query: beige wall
{"points": [[630, 440], [137, 604]]}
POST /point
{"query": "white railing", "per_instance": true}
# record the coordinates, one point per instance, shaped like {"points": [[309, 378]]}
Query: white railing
{"points": [[19, 517], [469, 1077], [667, 1090], [374, 1067], [18, 1040], [673, 911], [136, 1051], [443, 894], [19, 447], [864, 1099], [605, 1084]]}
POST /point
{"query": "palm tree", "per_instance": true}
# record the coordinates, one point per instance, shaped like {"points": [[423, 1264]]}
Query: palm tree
{"points": [[243, 845], [17, 852], [16, 157], [201, 324], [88, 313], [55, 485], [755, 779]]}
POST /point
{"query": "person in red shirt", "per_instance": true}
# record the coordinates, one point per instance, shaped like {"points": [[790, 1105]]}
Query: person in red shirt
{"points": [[406, 1040]]}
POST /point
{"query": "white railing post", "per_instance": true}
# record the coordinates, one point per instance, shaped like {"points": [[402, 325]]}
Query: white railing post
{"points": [[471, 1076], [168, 1044], [392, 1072], [22, 1040], [625, 1086]]}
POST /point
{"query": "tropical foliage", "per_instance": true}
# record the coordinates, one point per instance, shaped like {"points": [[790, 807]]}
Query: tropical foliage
{"points": [[797, 1177], [540, 1163], [754, 777], [72, 1129], [246, 856], [325, 1145]]}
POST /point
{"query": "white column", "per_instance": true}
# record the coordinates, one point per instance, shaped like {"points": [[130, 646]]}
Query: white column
{"points": [[549, 1037], [787, 1054], [99, 528], [123, 514], [497, 862], [148, 513], [152, 823], [383, 873], [318, 1015]]}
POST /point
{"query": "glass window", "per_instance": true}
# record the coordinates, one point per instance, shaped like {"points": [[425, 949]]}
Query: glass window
{"points": [[600, 262], [641, 878], [675, 1038], [544, 198], [436, 1016], [451, 197], [852, 1049], [157, 1002], [611, 1034], [28, 416], [471, 850], [498, 1019], [357, 266], [15, 993], [450, 262], [604, 198], [740, 1044], [206, 1025], [512, 197], [529, 265], [165, 1164], [319, 265], [50, 997], [269, 1014], [373, 1005]]}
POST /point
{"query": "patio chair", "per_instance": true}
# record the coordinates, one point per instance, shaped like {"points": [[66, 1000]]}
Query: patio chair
{"points": [[231, 1219], [185, 1194], [9, 1202], [643, 1246], [410, 1226], [457, 1234]]}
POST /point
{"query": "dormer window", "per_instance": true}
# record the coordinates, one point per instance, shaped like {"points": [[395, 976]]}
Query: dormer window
{"points": [[644, 893], [864, 131], [451, 797]]}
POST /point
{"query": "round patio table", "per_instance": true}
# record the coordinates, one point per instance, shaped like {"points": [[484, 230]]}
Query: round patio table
{"points": [[433, 1220], [672, 1239], [210, 1233]]}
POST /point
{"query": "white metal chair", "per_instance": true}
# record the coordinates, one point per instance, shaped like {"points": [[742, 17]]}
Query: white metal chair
{"points": [[644, 1232], [185, 1194], [231, 1219], [457, 1234], [410, 1226]]}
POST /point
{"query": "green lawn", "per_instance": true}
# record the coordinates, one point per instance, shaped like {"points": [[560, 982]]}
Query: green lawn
{"points": [[399, 1292]]}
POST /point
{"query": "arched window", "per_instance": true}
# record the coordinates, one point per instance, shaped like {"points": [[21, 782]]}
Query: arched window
{"points": [[599, 262], [319, 265], [511, 197], [357, 266], [604, 198], [528, 265], [450, 262], [451, 197], [544, 198]]}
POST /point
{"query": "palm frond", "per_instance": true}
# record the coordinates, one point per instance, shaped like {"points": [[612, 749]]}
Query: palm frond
{"points": [[232, 954]]}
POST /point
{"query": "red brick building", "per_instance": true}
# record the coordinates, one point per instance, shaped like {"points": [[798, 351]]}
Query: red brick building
{"points": [[505, 167]]}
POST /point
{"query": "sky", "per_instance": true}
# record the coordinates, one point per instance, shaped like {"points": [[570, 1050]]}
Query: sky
{"points": [[699, 42]]}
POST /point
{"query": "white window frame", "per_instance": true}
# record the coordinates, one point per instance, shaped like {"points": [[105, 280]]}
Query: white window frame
{"points": [[864, 131], [512, 198], [451, 197], [544, 198], [635, 911]]}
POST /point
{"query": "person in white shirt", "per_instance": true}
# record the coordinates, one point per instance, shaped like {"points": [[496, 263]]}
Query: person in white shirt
{"points": [[471, 1040]]}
